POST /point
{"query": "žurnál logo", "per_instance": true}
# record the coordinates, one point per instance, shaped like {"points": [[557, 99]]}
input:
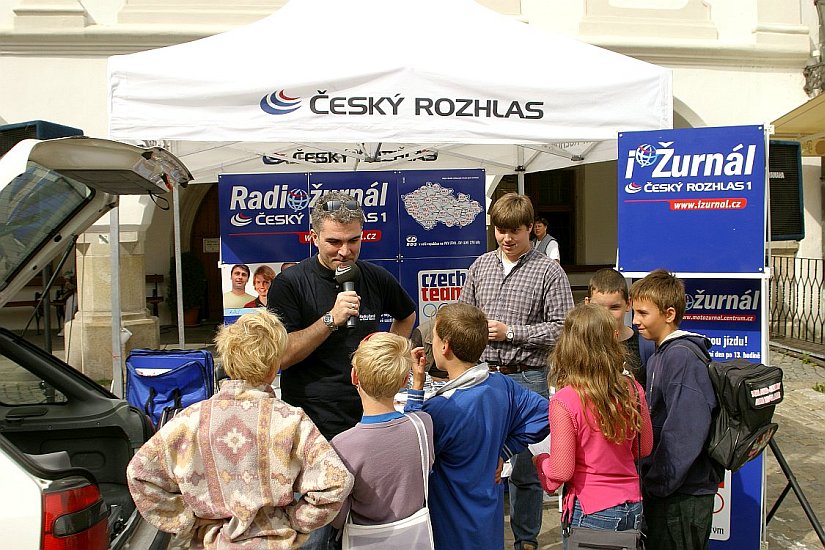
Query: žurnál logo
{"points": [[240, 220], [646, 155], [278, 103]]}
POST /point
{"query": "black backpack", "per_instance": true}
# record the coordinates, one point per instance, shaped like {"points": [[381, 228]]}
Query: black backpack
{"points": [[747, 394]]}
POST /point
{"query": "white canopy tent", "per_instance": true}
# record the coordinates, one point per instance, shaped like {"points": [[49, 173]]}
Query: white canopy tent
{"points": [[384, 84]]}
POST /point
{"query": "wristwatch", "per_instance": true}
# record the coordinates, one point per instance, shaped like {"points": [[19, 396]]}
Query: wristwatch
{"points": [[329, 321], [510, 334]]}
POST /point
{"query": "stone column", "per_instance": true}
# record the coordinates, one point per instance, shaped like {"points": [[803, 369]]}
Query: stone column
{"points": [[88, 339]]}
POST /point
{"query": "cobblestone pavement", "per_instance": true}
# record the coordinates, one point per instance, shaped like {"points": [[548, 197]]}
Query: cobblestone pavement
{"points": [[801, 440]]}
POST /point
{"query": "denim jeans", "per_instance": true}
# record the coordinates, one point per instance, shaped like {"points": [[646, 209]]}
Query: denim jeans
{"points": [[526, 494], [320, 539], [617, 518]]}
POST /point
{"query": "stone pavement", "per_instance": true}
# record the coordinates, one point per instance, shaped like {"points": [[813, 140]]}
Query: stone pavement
{"points": [[801, 440]]}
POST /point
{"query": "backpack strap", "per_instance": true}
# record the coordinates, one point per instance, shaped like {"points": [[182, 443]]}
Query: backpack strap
{"points": [[694, 348]]}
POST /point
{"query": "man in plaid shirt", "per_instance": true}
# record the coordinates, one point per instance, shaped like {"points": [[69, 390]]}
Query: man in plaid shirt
{"points": [[525, 296]]}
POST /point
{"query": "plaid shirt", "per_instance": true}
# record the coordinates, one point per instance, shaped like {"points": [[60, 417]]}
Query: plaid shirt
{"points": [[532, 300]]}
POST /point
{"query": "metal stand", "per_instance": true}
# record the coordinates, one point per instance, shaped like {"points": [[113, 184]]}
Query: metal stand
{"points": [[792, 484]]}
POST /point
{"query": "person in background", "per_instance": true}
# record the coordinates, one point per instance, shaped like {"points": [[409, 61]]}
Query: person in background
{"points": [[382, 450], [608, 288], [680, 478], [525, 296], [261, 280], [480, 418], [237, 297], [544, 242], [599, 423], [223, 472], [287, 265], [422, 337]]}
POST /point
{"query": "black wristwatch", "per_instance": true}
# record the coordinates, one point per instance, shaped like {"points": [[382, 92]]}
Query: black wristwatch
{"points": [[329, 321]]}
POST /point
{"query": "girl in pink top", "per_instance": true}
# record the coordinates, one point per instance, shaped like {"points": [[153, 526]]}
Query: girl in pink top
{"points": [[596, 419]]}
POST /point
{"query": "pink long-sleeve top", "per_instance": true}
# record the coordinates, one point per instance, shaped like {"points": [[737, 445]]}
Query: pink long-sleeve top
{"points": [[601, 474]]}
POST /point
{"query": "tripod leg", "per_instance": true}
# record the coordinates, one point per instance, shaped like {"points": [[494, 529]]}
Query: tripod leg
{"points": [[806, 506]]}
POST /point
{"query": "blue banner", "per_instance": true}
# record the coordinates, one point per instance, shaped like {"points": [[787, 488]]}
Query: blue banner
{"points": [[704, 188], [728, 312], [422, 226]]}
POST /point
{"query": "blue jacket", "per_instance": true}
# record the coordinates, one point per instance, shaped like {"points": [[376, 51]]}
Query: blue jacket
{"points": [[477, 418], [681, 400]]}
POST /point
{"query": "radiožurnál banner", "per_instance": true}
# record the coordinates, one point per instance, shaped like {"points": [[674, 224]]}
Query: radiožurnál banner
{"points": [[426, 227], [692, 200]]}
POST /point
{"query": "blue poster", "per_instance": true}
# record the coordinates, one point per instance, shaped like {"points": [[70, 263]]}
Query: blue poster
{"points": [[728, 312], [692, 200], [442, 213], [425, 227], [433, 284]]}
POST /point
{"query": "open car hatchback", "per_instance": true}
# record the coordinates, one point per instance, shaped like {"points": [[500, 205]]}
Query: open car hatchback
{"points": [[65, 441]]}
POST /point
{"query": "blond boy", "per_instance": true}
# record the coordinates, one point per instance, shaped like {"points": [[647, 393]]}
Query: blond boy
{"points": [[223, 472], [382, 450]]}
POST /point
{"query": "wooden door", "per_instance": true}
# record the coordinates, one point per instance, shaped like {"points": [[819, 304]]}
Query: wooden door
{"points": [[206, 233]]}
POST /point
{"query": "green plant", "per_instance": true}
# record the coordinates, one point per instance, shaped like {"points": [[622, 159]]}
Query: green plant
{"points": [[193, 276], [806, 359], [820, 387]]}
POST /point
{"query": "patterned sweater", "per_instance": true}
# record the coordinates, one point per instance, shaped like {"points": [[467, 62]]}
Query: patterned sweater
{"points": [[227, 471]]}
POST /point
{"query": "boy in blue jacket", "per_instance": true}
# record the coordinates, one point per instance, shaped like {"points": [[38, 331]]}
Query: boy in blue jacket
{"points": [[679, 479], [479, 419]]}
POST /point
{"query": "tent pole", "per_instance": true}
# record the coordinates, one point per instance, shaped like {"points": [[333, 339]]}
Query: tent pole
{"points": [[520, 168], [178, 281], [117, 349]]}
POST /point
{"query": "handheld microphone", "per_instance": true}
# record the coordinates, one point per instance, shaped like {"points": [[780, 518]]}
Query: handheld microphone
{"points": [[346, 275]]}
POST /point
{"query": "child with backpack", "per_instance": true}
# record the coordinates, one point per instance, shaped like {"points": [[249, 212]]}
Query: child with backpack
{"points": [[679, 477]]}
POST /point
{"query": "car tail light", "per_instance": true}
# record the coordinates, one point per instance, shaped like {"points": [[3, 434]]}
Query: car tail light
{"points": [[74, 516]]}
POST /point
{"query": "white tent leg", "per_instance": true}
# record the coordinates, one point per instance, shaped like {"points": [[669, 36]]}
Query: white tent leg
{"points": [[117, 357], [178, 281], [520, 168]]}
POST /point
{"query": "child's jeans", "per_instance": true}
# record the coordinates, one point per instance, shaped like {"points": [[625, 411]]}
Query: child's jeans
{"points": [[617, 518]]}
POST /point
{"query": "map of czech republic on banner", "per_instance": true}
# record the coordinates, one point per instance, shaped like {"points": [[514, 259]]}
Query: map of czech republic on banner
{"points": [[707, 186]]}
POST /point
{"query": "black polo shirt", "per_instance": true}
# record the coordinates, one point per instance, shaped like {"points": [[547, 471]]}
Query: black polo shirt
{"points": [[321, 384]]}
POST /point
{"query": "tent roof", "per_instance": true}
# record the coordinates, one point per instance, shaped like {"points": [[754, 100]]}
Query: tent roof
{"points": [[412, 72], [805, 124]]}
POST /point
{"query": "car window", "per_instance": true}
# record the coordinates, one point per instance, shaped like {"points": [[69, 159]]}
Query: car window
{"points": [[18, 386], [32, 207]]}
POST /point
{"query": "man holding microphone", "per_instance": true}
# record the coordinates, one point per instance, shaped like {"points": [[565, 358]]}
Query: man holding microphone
{"points": [[328, 316]]}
